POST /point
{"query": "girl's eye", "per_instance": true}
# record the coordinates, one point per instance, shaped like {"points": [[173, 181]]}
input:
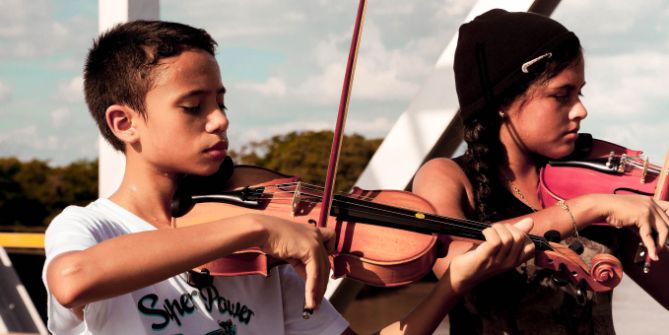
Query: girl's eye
{"points": [[561, 98], [222, 107]]}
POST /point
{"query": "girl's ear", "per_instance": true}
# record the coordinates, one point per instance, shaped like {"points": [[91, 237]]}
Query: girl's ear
{"points": [[121, 120]]}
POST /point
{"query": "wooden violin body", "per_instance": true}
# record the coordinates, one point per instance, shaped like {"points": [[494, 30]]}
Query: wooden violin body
{"points": [[383, 237], [374, 254], [602, 167]]}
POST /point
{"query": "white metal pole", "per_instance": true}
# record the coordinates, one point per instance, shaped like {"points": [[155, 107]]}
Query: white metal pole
{"points": [[110, 13]]}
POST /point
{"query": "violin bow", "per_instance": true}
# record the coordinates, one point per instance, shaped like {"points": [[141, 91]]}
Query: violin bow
{"points": [[341, 116], [661, 193], [662, 187]]}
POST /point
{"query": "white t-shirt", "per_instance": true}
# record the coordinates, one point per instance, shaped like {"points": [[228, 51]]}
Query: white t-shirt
{"points": [[232, 305]]}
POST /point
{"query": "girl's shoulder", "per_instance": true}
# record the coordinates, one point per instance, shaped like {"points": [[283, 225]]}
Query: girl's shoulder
{"points": [[443, 170], [443, 182]]}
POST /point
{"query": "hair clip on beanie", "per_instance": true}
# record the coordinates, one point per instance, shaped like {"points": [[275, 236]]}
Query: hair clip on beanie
{"points": [[497, 50]]}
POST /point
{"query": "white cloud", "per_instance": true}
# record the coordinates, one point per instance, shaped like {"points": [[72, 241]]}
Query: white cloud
{"points": [[30, 30], [627, 85], [380, 74], [16, 138], [650, 137], [376, 127], [60, 116], [5, 92], [72, 90], [271, 87], [451, 8]]}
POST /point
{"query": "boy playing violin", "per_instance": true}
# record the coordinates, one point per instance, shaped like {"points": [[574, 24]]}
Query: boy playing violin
{"points": [[116, 266]]}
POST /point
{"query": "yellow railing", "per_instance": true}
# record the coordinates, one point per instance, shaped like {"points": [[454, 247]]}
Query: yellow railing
{"points": [[22, 240]]}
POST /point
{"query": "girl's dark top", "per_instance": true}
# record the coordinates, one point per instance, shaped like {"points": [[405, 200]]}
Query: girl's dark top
{"points": [[525, 300]]}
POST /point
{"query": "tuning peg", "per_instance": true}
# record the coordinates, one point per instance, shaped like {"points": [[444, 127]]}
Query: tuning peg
{"points": [[561, 276], [581, 293], [577, 247], [552, 236]]}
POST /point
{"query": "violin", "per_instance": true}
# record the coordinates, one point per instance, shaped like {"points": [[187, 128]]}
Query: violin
{"points": [[383, 237], [598, 166]]}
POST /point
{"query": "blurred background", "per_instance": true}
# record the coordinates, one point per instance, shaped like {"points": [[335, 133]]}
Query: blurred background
{"points": [[283, 62]]}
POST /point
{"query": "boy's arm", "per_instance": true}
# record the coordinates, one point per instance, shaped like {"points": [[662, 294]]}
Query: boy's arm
{"points": [[129, 262]]}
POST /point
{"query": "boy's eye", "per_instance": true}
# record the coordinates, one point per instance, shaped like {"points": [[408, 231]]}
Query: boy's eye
{"points": [[191, 110]]}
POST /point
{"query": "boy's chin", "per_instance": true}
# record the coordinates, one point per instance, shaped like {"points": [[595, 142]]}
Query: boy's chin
{"points": [[205, 170]]}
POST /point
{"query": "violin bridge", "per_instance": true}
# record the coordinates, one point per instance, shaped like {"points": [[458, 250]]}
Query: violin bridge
{"points": [[297, 199], [644, 170], [623, 163], [609, 162]]}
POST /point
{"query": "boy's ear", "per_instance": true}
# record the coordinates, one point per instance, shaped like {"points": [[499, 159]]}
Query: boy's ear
{"points": [[121, 120]]}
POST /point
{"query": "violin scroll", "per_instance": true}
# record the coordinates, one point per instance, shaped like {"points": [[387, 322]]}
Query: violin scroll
{"points": [[606, 269], [603, 275]]}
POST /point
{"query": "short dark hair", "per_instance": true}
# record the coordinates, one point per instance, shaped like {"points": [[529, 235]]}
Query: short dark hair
{"points": [[120, 65]]}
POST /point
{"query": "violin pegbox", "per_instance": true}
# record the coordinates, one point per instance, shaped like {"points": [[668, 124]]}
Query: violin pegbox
{"points": [[604, 273]]}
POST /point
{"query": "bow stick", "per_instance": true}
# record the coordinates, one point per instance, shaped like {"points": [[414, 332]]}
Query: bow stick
{"points": [[341, 116]]}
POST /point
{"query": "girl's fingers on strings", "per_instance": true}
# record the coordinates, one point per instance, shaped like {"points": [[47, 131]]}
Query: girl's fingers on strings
{"points": [[661, 227], [646, 235]]}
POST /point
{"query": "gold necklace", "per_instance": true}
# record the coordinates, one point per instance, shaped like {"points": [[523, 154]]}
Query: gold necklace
{"points": [[519, 195]]}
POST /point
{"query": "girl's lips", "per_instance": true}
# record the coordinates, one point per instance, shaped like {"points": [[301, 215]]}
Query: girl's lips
{"points": [[220, 145]]}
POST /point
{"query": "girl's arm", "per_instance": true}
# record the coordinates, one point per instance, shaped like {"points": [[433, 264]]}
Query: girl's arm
{"points": [[444, 184]]}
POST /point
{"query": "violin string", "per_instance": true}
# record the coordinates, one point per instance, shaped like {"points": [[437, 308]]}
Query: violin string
{"points": [[634, 162], [463, 227], [314, 199], [473, 226], [305, 186], [464, 224], [318, 197]]}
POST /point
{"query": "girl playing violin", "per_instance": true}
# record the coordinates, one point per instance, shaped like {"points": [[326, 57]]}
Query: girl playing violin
{"points": [[519, 78], [117, 265]]}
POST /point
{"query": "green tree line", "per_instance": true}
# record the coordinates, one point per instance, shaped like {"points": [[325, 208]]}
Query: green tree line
{"points": [[32, 192]]}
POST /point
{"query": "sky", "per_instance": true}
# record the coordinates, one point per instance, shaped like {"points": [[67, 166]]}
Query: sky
{"points": [[283, 63]]}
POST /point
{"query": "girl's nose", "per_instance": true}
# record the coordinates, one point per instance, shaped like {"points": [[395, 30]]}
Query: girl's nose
{"points": [[217, 122]]}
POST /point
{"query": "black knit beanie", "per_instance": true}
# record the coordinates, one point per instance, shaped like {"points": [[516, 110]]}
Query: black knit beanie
{"points": [[499, 50]]}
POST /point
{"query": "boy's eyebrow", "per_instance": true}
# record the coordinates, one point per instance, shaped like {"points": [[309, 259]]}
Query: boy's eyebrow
{"points": [[192, 93]]}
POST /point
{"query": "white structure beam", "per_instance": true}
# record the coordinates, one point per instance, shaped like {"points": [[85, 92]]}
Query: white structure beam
{"points": [[427, 128], [110, 13]]}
